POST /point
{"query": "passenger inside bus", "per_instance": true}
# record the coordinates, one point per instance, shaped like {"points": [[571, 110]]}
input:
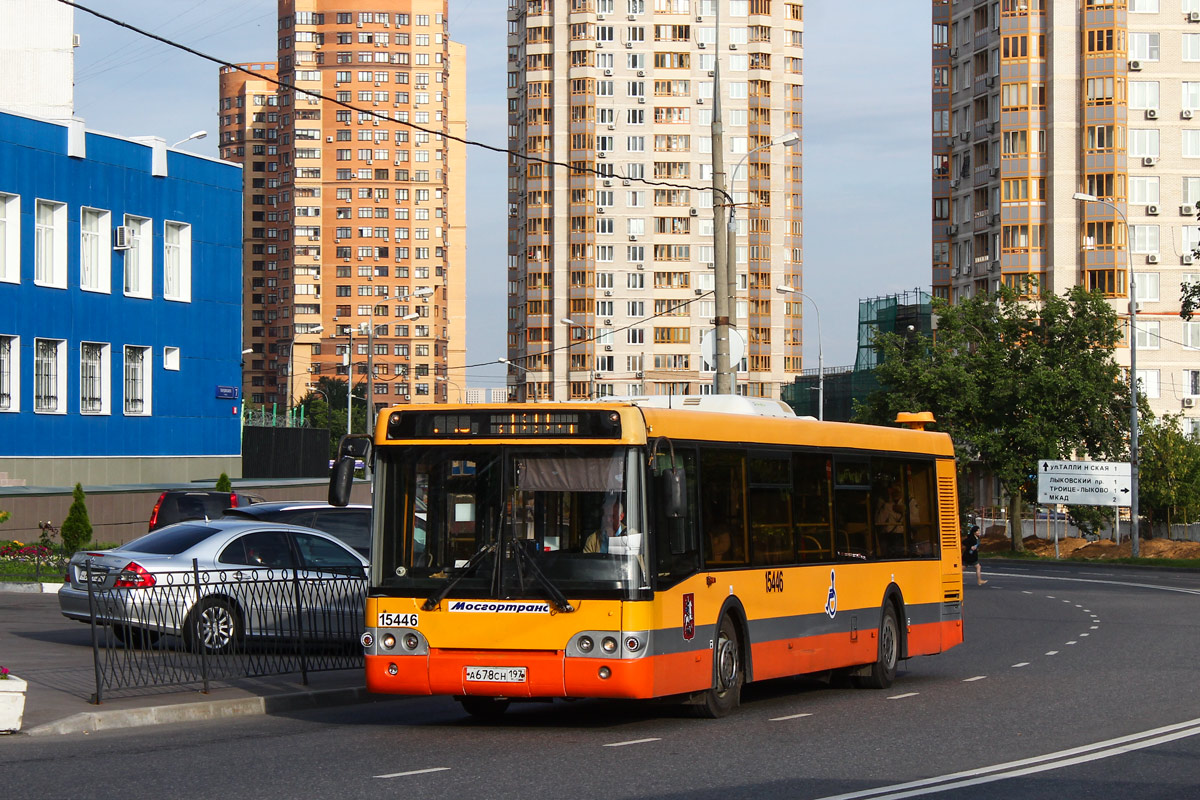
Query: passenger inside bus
{"points": [[612, 523], [723, 547]]}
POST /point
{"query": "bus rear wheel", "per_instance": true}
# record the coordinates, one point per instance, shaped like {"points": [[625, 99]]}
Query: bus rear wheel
{"points": [[883, 671], [726, 692], [484, 707]]}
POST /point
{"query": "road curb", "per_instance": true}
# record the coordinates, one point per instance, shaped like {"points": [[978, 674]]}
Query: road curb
{"points": [[93, 721], [31, 588]]}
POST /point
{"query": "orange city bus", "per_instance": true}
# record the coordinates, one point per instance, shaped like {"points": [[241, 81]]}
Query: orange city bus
{"points": [[630, 549]]}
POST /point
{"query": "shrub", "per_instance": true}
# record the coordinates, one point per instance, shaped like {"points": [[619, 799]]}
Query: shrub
{"points": [[76, 528], [224, 484]]}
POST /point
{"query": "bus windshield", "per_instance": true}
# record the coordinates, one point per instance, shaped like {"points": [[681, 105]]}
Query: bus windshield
{"points": [[509, 522]]}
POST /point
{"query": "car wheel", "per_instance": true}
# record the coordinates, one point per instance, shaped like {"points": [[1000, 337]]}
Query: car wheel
{"points": [[726, 692], [134, 636], [883, 671], [214, 625], [485, 707]]}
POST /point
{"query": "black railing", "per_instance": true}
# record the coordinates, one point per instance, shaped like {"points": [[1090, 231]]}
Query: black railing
{"points": [[242, 623]]}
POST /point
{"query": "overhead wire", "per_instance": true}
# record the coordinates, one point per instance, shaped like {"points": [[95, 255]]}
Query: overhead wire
{"points": [[573, 168]]}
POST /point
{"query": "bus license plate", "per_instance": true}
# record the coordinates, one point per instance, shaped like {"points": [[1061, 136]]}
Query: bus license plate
{"points": [[496, 674]]}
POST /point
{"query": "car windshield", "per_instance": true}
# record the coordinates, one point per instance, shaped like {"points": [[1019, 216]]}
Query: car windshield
{"points": [[171, 540], [505, 522]]}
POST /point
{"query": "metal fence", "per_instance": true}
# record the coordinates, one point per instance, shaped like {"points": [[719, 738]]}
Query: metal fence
{"points": [[201, 626]]}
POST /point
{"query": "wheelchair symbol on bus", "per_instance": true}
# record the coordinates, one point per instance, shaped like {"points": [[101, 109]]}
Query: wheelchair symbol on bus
{"points": [[831, 600]]}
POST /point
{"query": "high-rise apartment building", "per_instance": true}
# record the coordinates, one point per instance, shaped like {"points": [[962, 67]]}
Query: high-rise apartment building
{"points": [[354, 218], [611, 247], [1037, 100], [37, 59]]}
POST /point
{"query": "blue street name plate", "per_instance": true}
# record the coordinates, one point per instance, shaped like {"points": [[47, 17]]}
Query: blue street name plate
{"points": [[228, 392]]}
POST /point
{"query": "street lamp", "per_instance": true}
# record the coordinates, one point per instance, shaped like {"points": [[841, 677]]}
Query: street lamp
{"points": [[820, 348], [591, 375], [725, 267], [321, 392], [291, 365], [196, 135], [449, 382], [1083, 197]]}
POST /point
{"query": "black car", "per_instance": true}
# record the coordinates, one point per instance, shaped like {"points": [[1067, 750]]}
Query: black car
{"points": [[351, 524], [179, 505]]}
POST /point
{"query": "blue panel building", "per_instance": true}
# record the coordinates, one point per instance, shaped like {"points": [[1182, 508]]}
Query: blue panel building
{"points": [[120, 308]]}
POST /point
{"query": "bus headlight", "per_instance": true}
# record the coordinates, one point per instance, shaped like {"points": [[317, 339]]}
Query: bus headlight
{"points": [[411, 641], [609, 645], [586, 644], [388, 641]]}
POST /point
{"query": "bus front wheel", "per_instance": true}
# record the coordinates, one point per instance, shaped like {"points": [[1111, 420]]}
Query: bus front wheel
{"points": [[881, 674], [726, 691]]}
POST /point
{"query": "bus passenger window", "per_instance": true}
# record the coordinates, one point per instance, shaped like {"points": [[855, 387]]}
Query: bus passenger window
{"points": [[723, 497], [812, 502]]}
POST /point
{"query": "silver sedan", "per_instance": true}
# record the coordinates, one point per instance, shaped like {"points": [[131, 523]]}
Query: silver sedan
{"points": [[251, 579]]}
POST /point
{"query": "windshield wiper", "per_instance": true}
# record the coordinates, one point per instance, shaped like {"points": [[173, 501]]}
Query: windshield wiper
{"points": [[432, 603], [526, 560]]}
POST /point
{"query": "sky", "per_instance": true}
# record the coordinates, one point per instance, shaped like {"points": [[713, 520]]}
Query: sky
{"points": [[866, 141]]}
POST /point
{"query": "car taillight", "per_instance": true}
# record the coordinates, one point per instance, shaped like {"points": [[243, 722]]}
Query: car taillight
{"points": [[233, 500], [134, 576], [154, 513]]}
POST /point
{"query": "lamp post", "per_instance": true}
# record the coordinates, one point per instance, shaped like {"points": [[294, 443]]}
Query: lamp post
{"points": [[291, 365], [508, 363], [570, 323], [196, 135], [1083, 197], [449, 382], [424, 292], [820, 348], [726, 277]]}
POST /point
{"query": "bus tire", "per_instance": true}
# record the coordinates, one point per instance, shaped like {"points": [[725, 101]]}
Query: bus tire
{"points": [[484, 707], [726, 692], [881, 674]]}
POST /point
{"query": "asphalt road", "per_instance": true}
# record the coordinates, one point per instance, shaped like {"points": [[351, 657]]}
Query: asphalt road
{"points": [[1073, 683]]}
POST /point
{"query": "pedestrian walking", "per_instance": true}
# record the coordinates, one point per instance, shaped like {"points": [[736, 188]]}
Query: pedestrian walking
{"points": [[971, 552]]}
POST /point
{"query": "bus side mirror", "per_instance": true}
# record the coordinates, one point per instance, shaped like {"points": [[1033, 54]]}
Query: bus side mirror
{"points": [[341, 480], [672, 493], [351, 450]]}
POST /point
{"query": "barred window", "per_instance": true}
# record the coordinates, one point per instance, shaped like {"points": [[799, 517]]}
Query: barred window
{"points": [[137, 381], [46, 371], [91, 378]]}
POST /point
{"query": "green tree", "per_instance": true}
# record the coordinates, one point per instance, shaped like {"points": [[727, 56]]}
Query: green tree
{"points": [[325, 407], [1012, 381], [1168, 472], [224, 484], [76, 528]]}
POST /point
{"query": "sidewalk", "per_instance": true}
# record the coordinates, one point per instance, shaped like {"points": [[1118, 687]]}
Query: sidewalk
{"points": [[54, 655]]}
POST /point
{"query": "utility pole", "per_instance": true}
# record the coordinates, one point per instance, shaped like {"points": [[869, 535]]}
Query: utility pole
{"points": [[724, 377]]}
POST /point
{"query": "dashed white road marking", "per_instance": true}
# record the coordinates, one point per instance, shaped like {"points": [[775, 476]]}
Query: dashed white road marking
{"points": [[1052, 653], [789, 716], [1022, 664], [412, 772], [633, 741], [1095, 628], [902, 696], [1024, 592], [976, 678], [1072, 642], [1085, 634]]}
